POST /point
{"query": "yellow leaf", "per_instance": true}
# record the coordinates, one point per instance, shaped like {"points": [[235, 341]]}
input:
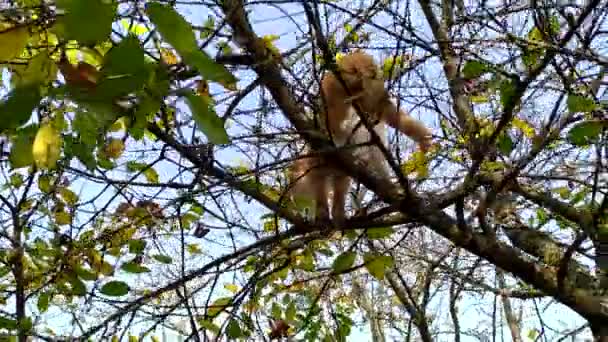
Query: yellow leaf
{"points": [[50, 38], [72, 56], [250, 306], [524, 127], [392, 66], [47, 147], [231, 287], [418, 163], [168, 56], [13, 41], [114, 148], [98, 264], [92, 57], [339, 57], [62, 218], [68, 196], [270, 46], [138, 29], [193, 248], [120, 125], [269, 38]]}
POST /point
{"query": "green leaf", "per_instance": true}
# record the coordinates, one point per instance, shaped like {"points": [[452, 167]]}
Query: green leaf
{"points": [[146, 107], [133, 166], [87, 126], [343, 262], [151, 175], [563, 192], [17, 107], [554, 26], [218, 306], [159, 82], [13, 41], [377, 264], [209, 69], [379, 233], [16, 180], [178, 33], [41, 69], [78, 287], [541, 216], [99, 108], [44, 183], [43, 301], [586, 132], [132, 267], [114, 87], [165, 259], [209, 325], [474, 69], [206, 119], [507, 93], [275, 310], [84, 273], [290, 312], [505, 144], [21, 149], [68, 196], [7, 323], [82, 151], [172, 26], [579, 196], [137, 246], [115, 288], [105, 163], [233, 329], [87, 21], [578, 103], [531, 56], [124, 69]]}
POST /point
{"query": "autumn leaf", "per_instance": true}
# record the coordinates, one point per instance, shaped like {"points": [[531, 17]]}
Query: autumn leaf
{"points": [[47, 147], [168, 56], [114, 148]]}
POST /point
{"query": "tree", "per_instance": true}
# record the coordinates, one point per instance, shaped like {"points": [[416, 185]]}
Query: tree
{"points": [[142, 178]]}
